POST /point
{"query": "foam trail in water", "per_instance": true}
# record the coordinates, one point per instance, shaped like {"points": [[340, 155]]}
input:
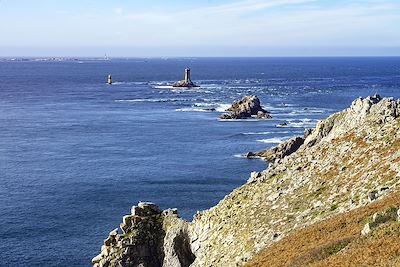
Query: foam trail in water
{"points": [[222, 107], [153, 100], [274, 140], [194, 110], [164, 87]]}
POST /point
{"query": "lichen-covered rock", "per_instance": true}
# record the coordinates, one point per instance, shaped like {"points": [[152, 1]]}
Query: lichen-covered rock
{"points": [[245, 108]]}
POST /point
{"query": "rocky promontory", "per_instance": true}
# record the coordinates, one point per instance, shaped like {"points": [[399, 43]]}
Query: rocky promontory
{"points": [[247, 107], [348, 165]]}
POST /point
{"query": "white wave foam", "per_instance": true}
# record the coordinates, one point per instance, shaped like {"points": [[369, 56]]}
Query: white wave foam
{"points": [[301, 123], [129, 83], [257, 133], [153, 100], [194, 110], [274, 140], [241, 120], [265, 133], [222, 107], [204, 104], [163, 87]]}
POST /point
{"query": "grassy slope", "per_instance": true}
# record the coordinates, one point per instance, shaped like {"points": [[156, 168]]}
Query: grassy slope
{"points": [[337, 242]]}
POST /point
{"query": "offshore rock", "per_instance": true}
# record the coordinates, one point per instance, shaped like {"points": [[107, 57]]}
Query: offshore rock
{"points": [[184, 83], [245, 108]]}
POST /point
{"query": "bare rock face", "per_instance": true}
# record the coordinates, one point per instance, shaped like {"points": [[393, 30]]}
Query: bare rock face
{"points": [[373, 109], [245, 108], [282, 150], [149, 238]]}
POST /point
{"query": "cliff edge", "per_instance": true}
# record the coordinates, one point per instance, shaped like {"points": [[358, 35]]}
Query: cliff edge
{"points": [[350, 160]]}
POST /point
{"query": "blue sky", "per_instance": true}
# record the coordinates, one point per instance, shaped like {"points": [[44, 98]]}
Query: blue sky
{"points": [[199, 28]]}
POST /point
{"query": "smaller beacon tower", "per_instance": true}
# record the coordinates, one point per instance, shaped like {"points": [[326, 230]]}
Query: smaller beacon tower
{"points": [[109, 79]]}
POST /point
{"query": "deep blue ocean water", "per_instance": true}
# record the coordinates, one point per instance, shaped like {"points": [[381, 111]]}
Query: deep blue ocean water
{"points": [[76, 154]]}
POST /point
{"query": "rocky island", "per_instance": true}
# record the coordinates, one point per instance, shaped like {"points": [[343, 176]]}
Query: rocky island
{"points": [[247, 107], [186, 82], [330, 198]]}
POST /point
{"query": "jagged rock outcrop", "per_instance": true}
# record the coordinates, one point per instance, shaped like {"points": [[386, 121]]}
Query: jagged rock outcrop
{"points": [[280, 151], [358, 113], [247, 107], [149, 238], [346, 157]]}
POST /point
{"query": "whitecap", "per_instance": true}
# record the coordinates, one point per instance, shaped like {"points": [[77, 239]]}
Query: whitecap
{"points": [[265, 133], [301, 123], [164, 87], [273, 140], [129, 83], [161, 100], [257, 133], [242, 120], [222, 107], [239, 156], [193, 110]]}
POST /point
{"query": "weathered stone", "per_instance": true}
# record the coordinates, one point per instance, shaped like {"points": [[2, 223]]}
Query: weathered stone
{"points": [[307, 132], [372, 196], [170, 212], [366, 230], [282, 150], [245, 108], [149, 208], [263, 115], [97, 259], [114, 232], [398, 215], [109, 241]]}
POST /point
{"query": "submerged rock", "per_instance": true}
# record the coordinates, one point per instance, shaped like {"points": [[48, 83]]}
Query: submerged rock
{"points": [[245, 108]]}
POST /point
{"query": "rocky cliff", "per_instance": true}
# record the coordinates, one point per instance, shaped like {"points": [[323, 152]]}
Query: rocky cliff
{"points": [[350, 160]]}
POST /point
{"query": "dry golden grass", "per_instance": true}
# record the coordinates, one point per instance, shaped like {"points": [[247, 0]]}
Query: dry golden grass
{"points": [[337, 242]]}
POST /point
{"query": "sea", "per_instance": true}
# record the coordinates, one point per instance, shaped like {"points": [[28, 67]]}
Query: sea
{"points": [[76, 153]]}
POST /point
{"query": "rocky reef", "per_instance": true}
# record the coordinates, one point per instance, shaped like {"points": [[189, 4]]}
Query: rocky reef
{"points": [[247, 107], [350, 161]]}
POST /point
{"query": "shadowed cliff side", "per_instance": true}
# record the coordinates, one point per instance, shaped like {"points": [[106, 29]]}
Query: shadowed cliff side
{"points": [[348, 161]]}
